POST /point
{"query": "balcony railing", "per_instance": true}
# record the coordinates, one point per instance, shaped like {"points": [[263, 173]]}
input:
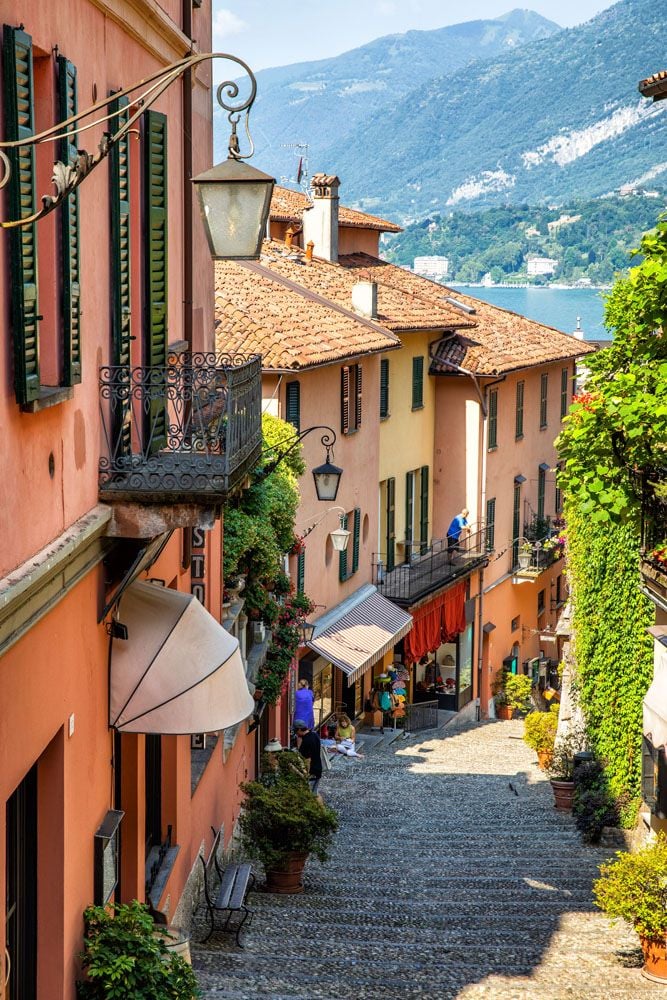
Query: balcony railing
{"points": [[186, 432], [426, 572], [653, 487], [528, 559]]}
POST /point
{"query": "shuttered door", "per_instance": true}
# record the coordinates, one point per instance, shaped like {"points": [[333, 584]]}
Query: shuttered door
{"points": [[409, 513], [391, 524], [156, 269], [69, 234], [20, 124], [345, 399], [423, 511], [342, 556], [384, 388], [490, 524], [121, 286], [356, 531]]}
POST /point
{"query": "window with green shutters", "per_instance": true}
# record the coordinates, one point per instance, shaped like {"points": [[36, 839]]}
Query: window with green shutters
{"points": [[293, 404], [155, 184], [544, 392], [409, 513], [423, 510], [417, 383], [356, 533], [564, 391], [493, 419], [384, 388], [18, 100], [390, 520], [541, 490], [518, 431], [300, 571], [490, 524], [350, 398], [69, 234]]}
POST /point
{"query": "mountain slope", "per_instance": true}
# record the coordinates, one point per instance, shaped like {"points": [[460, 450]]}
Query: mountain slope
{"points": [[313, 101], [551, 120]]}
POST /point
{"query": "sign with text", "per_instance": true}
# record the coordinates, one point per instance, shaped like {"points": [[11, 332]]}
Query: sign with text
{"points": [[198, 564]]}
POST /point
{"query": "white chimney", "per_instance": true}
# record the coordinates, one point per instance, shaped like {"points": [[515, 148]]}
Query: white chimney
{"points": [[365, 299], [320, 220]]}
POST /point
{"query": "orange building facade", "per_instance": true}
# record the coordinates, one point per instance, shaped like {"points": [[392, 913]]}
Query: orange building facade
{"points": [[113, 283]]}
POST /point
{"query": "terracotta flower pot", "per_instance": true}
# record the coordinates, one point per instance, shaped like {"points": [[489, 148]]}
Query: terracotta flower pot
{"points": [[563, 793], [504, 712], [544, 758], [655, 960], [287, 879]]}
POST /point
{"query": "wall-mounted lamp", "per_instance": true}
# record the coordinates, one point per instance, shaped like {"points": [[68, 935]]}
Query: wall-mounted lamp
{"points": [[327, 476], [340, 537], [307, 631]]}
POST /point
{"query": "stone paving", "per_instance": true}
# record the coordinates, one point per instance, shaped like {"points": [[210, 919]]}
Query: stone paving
{"points": [[452, 876]]}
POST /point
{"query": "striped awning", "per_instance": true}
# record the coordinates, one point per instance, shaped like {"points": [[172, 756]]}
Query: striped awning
{"points": [[363, 635]]}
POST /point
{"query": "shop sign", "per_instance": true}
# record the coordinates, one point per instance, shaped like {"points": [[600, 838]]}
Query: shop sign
{"points": [[198, 565]]}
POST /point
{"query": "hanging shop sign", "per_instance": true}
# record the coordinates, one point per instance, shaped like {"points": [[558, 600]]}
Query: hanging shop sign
{"points": [[198, 565]]}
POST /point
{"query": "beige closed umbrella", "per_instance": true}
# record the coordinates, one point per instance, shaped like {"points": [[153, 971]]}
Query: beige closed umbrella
{"points": [[178, 671]]}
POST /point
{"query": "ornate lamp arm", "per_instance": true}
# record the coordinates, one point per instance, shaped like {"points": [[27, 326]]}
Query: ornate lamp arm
{"points": [[68, 176], [328, 440]]}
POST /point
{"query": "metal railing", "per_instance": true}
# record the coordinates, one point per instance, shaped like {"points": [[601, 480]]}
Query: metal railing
{"points": [[654, 511], [188, 431], [443, 562], [533, 557], [422, 715]]}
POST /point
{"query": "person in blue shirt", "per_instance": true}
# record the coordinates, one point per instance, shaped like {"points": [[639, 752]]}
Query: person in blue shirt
{"points": [[458, 525]]}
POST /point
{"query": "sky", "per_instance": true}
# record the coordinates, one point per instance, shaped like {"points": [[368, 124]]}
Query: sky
{"points": [[279, 32]]}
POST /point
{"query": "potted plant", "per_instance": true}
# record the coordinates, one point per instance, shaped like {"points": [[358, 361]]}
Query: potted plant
{"points": [[539, 732], [126, 955], [282, 822], [503, 711], [561, 769], [634, 888]]}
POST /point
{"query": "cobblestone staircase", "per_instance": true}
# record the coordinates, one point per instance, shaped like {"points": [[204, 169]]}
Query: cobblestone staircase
{"points": [[452, 876]]}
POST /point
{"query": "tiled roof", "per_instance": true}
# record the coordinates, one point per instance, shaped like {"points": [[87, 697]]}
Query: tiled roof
{"points": [[288, 205], [654, 86], [397, 308], [500, 341], [292, 328]]}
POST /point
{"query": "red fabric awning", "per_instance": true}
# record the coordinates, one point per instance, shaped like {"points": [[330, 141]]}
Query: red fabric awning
{"points": [[439, 620]]}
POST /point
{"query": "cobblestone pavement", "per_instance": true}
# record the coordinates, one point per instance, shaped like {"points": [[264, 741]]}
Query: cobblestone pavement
{"points": [[452, 876]]}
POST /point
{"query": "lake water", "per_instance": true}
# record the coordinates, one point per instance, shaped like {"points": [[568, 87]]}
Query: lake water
{"points": [[558, 307]]}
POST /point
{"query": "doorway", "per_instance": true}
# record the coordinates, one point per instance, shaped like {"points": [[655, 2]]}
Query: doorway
{"points": [[21, 889]]}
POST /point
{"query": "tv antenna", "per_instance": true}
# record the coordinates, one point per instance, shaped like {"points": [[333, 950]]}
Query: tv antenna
{"points": [[301, 175]]}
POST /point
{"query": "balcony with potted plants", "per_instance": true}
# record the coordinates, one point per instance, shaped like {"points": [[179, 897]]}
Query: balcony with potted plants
{"points": [[542, 545], [653, 564]]}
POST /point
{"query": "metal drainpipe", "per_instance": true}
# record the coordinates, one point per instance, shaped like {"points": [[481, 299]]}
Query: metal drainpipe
{"points": [[187, 186]]}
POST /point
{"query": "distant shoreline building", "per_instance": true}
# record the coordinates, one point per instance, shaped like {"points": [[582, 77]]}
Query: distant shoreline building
{"points": [[432, 267], [541, 265]]}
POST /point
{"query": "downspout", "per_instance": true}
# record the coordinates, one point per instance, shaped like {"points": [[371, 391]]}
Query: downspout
{"points": [[187, 186], [482, 395]]}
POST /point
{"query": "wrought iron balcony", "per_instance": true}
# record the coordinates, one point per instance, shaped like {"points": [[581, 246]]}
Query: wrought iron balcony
{"points": [[186, 432], [654, 533], [425, 572], [529, 559]]}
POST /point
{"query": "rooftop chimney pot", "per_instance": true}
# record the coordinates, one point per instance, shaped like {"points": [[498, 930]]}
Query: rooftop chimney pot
{"points": [[320, 220]]}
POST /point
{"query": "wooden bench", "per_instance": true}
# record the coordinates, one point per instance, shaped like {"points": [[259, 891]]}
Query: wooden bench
{"points": [[236, 881]]}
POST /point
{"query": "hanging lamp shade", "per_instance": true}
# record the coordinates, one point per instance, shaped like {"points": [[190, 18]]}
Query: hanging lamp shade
{"points": [[234, 199], [339, 539], [327, 480]]}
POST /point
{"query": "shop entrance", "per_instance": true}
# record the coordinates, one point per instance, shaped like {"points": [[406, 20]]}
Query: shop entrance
{"points": [[447, 673], [21, 889]]}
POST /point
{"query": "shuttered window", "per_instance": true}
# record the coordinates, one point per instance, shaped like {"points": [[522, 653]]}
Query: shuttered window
{"points": [[417, 383], [423, 511], [541, 491], [544, 392], [493, 418], [409, 513], [69, 234], [300, 571], [516, 523], [356, 534], [518, 432], [350, 398], [121, 284], [384, 388], [490, 524], [293, 404], [564, 392], [18, 102], [391, 524], [156, 266], [342, 556]]}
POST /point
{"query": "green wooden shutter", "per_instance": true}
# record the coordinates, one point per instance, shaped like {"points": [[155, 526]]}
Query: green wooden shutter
{"points": [[342, 556], [293, 404], [564, 385], [69, 234], [300, 571], [358, 392], [417, 383], [493, 418], [20, 124], [156, 267], [409, 513], [541, 491], [518, 431], [423, 511], [490, 524], [384, 388], [544, 390], [516, 524], [356, 530], [391, 524], [345, 399], [121, 270]]}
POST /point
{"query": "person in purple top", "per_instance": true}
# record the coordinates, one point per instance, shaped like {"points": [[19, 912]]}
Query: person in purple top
{"points": [[303, 704]]}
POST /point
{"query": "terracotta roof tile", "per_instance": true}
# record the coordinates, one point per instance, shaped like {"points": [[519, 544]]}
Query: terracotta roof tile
{"points": [[654, 86], [287, 205], [291, 327]]}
